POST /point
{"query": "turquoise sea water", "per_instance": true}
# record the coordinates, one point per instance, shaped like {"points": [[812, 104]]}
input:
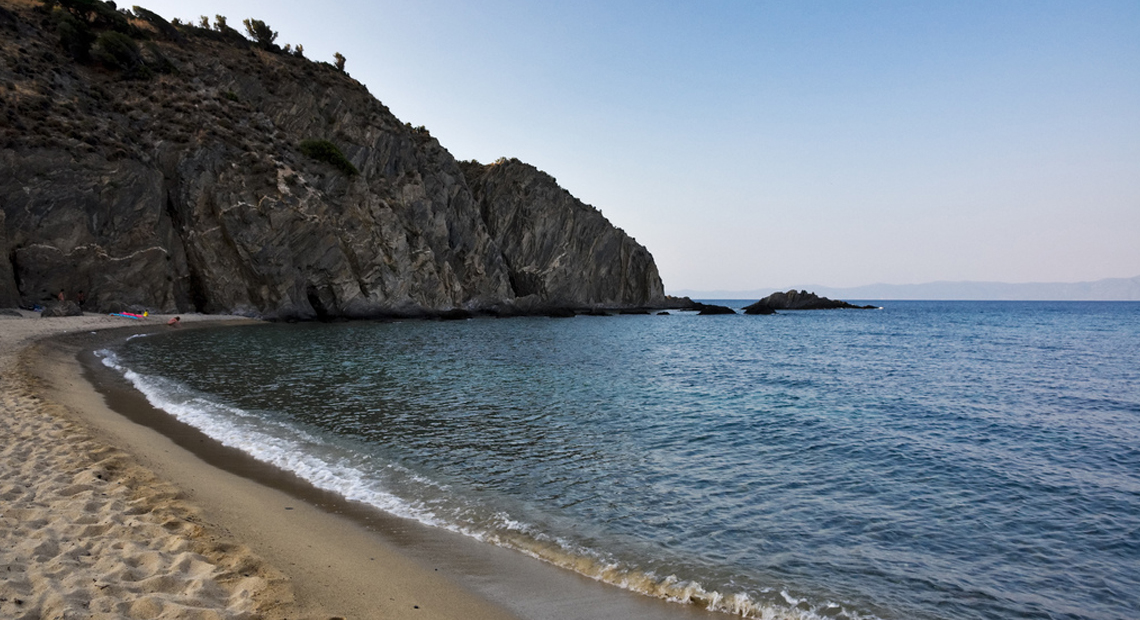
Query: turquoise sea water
{"points": [[929, 460]]}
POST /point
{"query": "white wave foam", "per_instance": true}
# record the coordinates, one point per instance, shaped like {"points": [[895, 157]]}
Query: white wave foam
{"points": [[286, 447], [353, 475]]}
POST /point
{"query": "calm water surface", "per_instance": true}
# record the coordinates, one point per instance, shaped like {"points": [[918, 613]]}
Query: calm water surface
{"points": [[931, 460]]}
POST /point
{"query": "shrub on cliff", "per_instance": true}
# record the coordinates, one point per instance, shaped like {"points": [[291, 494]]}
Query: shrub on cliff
{"points": [[219, 32], [75, 35], [94, 14], [323, 150], [116, 50], [163, 27], [261, 33], [156, 61]]}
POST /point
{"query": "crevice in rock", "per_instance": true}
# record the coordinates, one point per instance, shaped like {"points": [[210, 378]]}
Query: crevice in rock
{"points": [[198, 296], [318, 304]]}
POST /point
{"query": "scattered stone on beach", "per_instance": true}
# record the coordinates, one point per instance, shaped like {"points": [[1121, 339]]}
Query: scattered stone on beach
{"points": [[798, 300]]}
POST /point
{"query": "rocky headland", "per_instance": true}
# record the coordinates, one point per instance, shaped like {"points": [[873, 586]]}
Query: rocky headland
{"points": [[798, 300], [182, 168]]}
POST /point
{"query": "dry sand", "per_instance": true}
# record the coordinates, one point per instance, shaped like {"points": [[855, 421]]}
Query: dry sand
{"points": [[104, 518]]}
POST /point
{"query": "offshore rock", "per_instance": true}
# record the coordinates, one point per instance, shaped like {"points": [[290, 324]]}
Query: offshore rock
{"points": [[797, 300], [188, 191], [759, 308], [713, 309], [558, 251]]}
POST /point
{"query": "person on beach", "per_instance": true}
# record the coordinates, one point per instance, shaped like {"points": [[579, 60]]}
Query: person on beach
{"points": [[175, 322], [60, 296]]}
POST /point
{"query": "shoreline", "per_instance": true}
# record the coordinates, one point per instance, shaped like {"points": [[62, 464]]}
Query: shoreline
{"points": [[259, 552], [322, 556]]}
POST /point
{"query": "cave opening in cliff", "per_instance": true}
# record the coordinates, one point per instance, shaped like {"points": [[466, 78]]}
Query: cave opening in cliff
{"points": [[198, 293], [319, 306]]}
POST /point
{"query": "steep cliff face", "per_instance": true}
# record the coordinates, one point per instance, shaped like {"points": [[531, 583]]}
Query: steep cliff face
{"points": [[559, 251], [188, 190]]}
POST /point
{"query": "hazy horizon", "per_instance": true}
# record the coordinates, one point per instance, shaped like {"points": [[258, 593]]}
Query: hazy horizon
{"points": [[1109, 289], [745, 143]]}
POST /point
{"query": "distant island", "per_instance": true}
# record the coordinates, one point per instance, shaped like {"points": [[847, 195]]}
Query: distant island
{"points": [[1112, 289]]}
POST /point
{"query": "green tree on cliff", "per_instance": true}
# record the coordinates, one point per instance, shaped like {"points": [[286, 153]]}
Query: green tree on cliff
{"points": [[323, 150], [261, 33]]}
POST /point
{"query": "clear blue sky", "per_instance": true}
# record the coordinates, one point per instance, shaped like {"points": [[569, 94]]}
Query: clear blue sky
{"points": [[772, 144]]}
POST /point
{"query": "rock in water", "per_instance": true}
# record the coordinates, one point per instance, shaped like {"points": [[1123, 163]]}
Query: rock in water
{"points": [[714, 309], [797, 300], [759, 308], [183, 186]]}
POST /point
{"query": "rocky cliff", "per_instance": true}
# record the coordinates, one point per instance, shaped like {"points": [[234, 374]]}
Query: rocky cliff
{"points": [[546, 235], [163, 168]]}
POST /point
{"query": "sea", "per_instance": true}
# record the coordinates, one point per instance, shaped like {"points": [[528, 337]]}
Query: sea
{"points": [[928, 460]]}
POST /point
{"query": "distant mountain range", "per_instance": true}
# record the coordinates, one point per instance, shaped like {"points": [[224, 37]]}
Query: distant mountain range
{"points": [[1112, 289]]}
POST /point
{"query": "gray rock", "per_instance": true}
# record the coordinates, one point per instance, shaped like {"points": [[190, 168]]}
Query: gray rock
{"points": [[557, 250], [190, 193], [61, 308]]}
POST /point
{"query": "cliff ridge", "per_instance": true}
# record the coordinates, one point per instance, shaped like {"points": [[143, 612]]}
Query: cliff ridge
{"points": [[174, 179]]}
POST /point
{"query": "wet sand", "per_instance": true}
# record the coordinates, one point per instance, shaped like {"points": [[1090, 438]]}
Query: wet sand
{"points": [[112, 509], [103, 517]]}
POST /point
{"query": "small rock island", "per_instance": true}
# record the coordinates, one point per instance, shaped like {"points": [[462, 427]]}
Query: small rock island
{"points": [[798, 300]]}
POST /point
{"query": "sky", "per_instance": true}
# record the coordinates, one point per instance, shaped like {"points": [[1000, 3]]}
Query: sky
{"points": [[752, 144]]}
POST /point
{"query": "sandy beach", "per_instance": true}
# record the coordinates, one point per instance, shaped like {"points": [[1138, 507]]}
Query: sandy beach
{"points": [[111, 509], [103, 518]]}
